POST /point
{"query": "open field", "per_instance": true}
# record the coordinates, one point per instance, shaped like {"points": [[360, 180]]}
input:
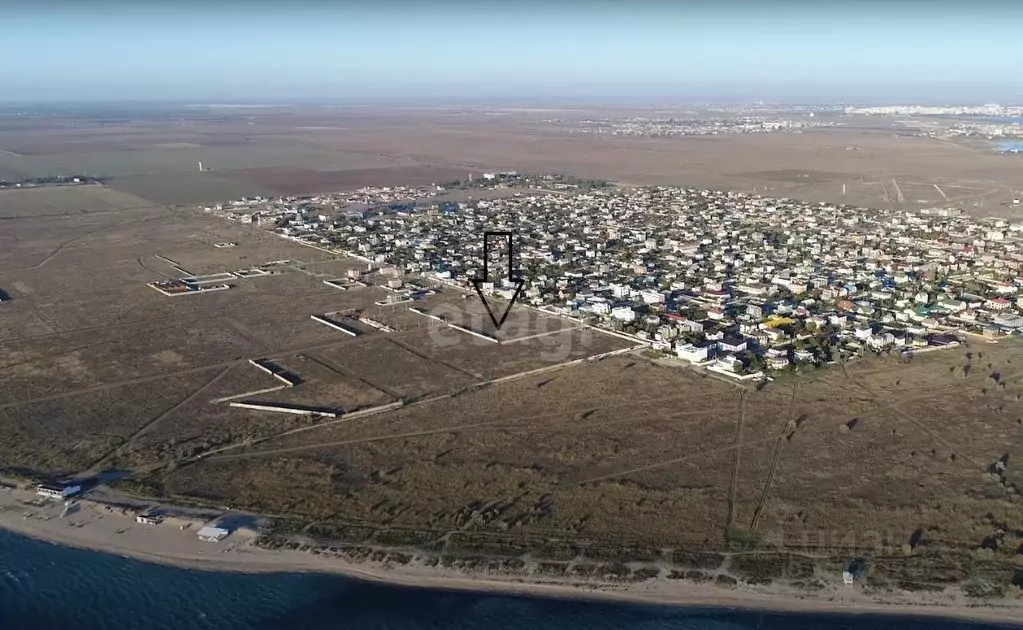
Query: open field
{"points": [[155, 155], [84, 340], [880, 457], [189, 187], [405, 374], [297, 181], [62, 200], [808, 466]]}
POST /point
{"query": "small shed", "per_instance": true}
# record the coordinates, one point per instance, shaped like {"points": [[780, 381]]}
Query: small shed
{"points": [[856, 571], [213, 534]]}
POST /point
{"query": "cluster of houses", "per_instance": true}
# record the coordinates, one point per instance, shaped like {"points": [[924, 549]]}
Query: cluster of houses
{"points": [[656, 127], [743, 282]]}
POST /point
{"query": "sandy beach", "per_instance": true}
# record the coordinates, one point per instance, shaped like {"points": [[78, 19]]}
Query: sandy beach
{"points": [[174, 541]]}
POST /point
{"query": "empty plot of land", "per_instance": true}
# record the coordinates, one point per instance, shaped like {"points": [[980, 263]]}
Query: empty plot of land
{"points": [[341, 394], [69, 434], [84, 317], [891, 466], [323, 384], [396, 369], [189, 187], [85, 339], [9, 171], [112, 143], [65, 200], [156, 160], [305, 150], [243, 379], [489, 360], [449, 451], [437, 313], [809, 462], [328, 268], [303, 181], [573, 398], [796, 176]]}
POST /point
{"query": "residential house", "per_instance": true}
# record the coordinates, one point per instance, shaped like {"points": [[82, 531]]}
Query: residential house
{"points": [[732, 344]]}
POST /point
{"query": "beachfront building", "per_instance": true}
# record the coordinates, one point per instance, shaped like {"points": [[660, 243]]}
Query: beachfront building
{"points": [[212, 534], [58, 490]]}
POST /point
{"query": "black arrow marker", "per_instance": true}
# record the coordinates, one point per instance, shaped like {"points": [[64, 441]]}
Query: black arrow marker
{"points": [[477, 283]]}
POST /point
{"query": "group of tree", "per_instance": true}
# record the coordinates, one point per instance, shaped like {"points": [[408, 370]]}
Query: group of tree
{"points": [[51, 180]]}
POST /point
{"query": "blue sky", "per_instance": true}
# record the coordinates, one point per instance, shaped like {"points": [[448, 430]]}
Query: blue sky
{"points": [[244, 50]]}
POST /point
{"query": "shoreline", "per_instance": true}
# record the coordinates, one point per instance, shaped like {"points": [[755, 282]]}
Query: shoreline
{"points": [[99, 528]]}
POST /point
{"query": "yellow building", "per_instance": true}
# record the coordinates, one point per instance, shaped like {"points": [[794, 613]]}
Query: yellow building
{"points": [[775, 321]]}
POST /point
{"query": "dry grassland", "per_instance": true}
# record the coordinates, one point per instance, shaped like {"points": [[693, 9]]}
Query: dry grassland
{"points": [[189, 187], [64, 200], [84, 333], [298, 181], [468, 449], [824, 464], [303, 151], [392, 368]]}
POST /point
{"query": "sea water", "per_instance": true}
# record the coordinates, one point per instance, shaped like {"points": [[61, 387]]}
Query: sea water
{"points": [[46, 586], [1009, 145]]}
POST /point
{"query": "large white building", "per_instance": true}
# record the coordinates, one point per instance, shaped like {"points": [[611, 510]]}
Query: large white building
{"points": [[623, 313], [650, 296], [58, 490], [694, 354]]}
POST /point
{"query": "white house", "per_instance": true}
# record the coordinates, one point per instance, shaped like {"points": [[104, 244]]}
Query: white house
{"points": [[728, 364], [694, 354], [803, 355], [953, 305], [881, 340], [621, 290], [650, 296], [623, 313]]}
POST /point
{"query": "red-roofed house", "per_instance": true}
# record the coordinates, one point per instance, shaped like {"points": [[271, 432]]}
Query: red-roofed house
{"points": [[998, 304]]}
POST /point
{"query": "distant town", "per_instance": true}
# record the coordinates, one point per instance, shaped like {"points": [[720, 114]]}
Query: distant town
{"points": [[740, 283], [941, 110], [657, 127]]}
